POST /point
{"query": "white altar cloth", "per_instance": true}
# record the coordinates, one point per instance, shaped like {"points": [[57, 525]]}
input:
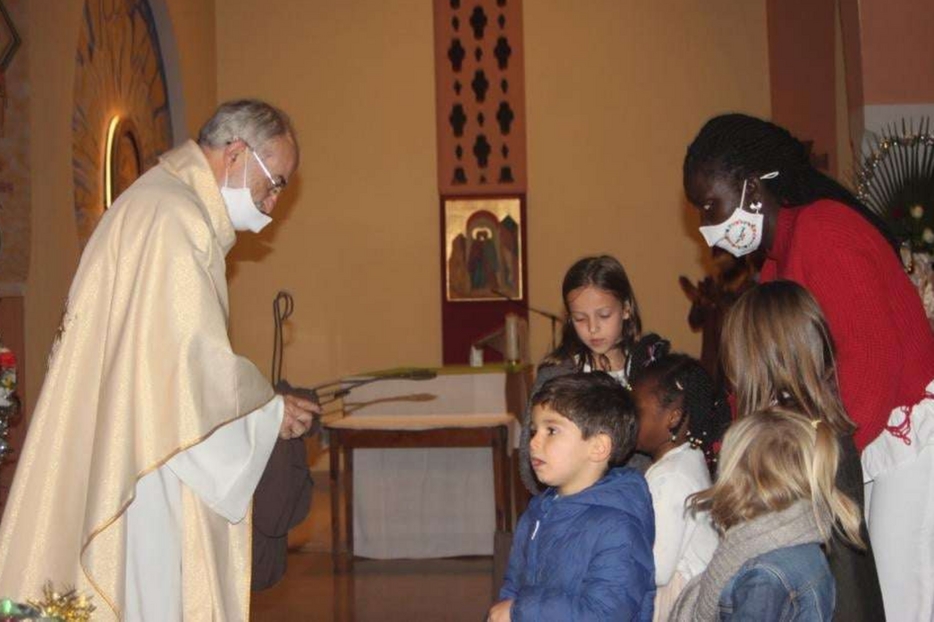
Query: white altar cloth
{"points": [[435, 502]]}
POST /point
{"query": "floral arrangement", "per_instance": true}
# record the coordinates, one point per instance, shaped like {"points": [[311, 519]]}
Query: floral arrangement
{"points": [[914, 227], [9, 403], [896, 181], [67, 606], [64, 606]]}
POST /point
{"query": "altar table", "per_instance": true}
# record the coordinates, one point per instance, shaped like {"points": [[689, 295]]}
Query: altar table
{"points": [[426, 471]]}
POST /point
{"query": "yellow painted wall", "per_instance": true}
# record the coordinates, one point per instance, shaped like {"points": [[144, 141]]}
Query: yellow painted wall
{"points": [[615, 91], [844, 172], [357, 239], [897, 51], [193, 27], [53, 32]]}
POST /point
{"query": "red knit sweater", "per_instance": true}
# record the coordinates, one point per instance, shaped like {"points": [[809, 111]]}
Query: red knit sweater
{"points": [[885, 347]]}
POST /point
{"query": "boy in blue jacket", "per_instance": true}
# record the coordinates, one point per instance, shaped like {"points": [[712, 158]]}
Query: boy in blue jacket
{"points": [[583, 548]]}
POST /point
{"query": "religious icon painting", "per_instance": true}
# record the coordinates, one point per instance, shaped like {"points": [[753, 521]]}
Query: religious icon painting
{"points": [[483, 249]]}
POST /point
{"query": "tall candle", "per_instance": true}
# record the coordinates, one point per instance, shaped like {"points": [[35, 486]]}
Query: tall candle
{"points": [[512, 338]]}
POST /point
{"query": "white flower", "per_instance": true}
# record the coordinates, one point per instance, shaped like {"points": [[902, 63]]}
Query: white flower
{"points": [[928, 236], [917, 212]]}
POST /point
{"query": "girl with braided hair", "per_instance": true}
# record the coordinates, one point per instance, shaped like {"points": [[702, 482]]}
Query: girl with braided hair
{"points": [[680, 421], [777, 350], [757, 191]]}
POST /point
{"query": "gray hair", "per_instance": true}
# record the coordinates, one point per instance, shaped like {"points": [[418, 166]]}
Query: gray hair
{"points": [[250, 120]]}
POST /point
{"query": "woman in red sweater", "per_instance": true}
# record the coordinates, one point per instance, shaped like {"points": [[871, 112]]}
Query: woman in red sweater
{"points": [[756, 190]]}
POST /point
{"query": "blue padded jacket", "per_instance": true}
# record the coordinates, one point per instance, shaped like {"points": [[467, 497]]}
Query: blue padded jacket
{"points": [[587, 556]]}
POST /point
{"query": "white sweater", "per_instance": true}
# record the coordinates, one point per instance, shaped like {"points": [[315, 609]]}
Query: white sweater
{"points": [[684, 542]]}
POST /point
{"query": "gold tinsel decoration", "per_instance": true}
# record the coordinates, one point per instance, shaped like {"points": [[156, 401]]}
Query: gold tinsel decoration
{"points": [[69, 605]]}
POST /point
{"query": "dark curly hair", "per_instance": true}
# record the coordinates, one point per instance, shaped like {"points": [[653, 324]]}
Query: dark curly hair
{"points": [[680, 380]]}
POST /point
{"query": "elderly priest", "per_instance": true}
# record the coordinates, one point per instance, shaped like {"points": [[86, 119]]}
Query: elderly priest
{"points": [[150, 433]]}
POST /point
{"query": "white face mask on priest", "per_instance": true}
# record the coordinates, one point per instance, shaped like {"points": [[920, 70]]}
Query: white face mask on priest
{"points": [[250, 204]]}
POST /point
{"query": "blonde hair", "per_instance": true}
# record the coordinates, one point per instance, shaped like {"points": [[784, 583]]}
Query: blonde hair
{"points": [[772, 459], [777, 349]]}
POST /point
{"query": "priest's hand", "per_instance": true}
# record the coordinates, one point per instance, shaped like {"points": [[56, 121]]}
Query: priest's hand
{"points": [[298, 416]]}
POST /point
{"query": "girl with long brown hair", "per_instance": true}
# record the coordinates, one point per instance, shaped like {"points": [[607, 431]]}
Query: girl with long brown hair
{"points": [[602, 332], [777, 351]]}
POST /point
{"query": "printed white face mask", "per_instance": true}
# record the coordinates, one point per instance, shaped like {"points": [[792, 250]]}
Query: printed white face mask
{"points": [[741, 233], [244, 215]]}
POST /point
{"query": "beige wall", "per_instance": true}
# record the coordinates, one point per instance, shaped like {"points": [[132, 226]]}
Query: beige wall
{"points": [[615, 91], [898, 51], [845, 151], [192, 24], [889, 57], [357, 239], [802, 69], [53, 31]]}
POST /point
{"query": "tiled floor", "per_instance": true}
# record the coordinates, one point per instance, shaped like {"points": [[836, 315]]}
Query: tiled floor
{"points": [[448, 590]]}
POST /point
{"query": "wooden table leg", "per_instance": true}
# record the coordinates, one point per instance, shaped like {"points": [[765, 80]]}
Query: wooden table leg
{"points": [[334, 452], [499, 477], [520, 492], [507, 477], [348, 506]]}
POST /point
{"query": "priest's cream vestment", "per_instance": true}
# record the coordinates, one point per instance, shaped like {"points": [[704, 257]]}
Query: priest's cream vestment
{"points": [[149, 434]]}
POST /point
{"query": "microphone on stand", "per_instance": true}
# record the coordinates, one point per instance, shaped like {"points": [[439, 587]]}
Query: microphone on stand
{"points": [[555, 320]]}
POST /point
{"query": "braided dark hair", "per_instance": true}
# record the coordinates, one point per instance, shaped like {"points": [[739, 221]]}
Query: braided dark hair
{"points": [[741, 147], [681, 380]]}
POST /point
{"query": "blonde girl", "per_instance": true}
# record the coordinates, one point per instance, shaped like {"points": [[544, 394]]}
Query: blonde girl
{"points": [[775, 503], [777, 349]]}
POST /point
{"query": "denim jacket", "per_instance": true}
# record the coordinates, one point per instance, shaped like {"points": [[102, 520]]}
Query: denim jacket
{"points": [[791, 583]]}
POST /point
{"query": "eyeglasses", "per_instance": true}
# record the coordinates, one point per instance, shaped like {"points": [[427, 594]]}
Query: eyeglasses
{"points": [[278, 182]]}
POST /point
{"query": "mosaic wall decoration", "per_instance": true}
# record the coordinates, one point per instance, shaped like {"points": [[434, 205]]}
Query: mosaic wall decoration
{"points": [[14, 144], [480, 97], [121, 113]]}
